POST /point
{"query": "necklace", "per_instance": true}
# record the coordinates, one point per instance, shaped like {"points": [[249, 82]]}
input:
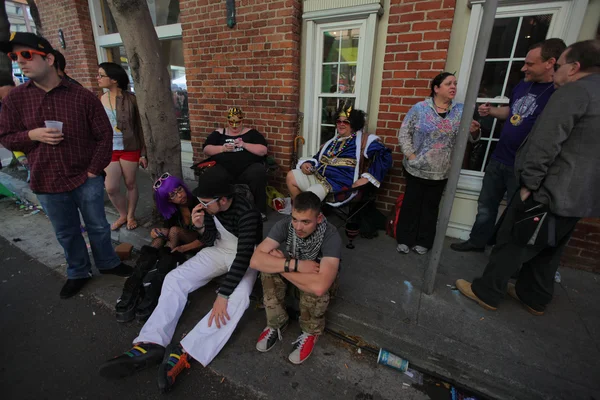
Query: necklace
{"points": [[336, 150], [112, 110], [444, 109], [517, 118]]}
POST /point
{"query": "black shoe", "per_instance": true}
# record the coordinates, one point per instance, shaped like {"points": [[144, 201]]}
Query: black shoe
{"points": [[141, 356], [466, 246], [120, 270], [174, 362], [152, 286], [72, 287]]}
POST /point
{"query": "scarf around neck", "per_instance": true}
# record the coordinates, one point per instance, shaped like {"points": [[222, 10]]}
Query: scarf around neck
{"points": [[307, 248]]}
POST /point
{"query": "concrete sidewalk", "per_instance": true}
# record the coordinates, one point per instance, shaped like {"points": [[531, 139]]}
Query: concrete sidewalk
{"points": [[504, 354]]}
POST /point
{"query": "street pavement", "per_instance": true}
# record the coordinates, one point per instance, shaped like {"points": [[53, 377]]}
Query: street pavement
{"points": [[51, 348], [507, 354]]}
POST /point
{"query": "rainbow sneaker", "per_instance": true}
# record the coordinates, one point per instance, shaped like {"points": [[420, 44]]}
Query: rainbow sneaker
{"points": [[140, 356], [175, 361]]}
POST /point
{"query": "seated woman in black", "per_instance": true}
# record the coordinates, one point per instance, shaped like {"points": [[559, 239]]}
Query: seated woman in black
{"points": [[240, 151]]}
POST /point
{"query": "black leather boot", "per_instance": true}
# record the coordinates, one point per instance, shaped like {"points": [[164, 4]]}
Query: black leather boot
{"points": [[153, 282], [132, 290]]}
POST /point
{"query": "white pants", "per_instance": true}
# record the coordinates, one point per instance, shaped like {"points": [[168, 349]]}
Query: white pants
{"points": [[309, 183], [202, 343]]}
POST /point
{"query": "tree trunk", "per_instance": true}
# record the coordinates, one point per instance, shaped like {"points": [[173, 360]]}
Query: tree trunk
{"points": [[152, 85], [5, 63], [35, 14]]}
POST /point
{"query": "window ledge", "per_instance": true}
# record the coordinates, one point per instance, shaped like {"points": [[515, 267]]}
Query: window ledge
{"points": [[355, 12]]}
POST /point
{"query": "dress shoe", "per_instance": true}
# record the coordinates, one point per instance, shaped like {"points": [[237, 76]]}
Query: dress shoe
{"points": [[466, 246], [512, 292], [465, 288], [120, 270], [72, 287]]}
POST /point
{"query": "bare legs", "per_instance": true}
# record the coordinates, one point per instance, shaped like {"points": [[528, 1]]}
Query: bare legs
{"points": [[292, 185], [125, 205]]}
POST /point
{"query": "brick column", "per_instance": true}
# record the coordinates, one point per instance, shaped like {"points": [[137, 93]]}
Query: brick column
{"points": [[583, 250], [417, 45], [255, 65], [73, 17]]}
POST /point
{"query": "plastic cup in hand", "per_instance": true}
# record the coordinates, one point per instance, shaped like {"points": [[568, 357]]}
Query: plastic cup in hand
{"points": [[54, 125]]}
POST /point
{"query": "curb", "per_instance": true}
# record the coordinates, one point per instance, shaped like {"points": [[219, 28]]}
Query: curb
{"points": [[20, 188]]}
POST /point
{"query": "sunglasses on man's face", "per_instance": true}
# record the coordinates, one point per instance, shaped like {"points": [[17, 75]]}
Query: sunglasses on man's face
{"points": [[342, 122], [27, 55], [205, 205], [160, 180]]}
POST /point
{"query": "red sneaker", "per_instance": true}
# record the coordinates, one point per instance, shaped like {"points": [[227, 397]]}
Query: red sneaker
{"points": [[303, 347], [269, 337]]}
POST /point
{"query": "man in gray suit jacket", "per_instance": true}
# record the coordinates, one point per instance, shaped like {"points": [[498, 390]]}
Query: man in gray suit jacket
{"points": [[557, 170]]}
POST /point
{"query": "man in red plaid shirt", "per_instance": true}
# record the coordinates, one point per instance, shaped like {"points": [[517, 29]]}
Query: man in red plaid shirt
{"points": [[67, 166]]}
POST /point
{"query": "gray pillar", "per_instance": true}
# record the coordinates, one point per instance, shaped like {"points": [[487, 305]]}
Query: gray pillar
{"points": [[483, 40]]}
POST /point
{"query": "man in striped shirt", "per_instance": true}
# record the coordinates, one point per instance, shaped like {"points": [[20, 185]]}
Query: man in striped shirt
{"points": [[228, 211]]}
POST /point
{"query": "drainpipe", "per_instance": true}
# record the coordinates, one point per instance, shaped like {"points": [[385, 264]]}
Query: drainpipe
{"points": [[483, 40]]}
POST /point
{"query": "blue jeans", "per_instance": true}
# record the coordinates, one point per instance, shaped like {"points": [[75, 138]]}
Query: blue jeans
{"points": [[499, 179], [63, 211]]}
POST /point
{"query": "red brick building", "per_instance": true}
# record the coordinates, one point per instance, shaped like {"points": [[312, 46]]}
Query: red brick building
{"points": [[286, 57]]}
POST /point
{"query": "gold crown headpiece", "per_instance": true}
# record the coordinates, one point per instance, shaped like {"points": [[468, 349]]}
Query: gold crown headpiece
{"points": [[346, 111], [235, 111]]}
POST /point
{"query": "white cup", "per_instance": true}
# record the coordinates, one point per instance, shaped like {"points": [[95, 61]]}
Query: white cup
{"points": [[54, 125]]}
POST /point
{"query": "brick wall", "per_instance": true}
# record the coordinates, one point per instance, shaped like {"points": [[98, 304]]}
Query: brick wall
{"points": [[255, 65], [417, 45], [583, 250], [73, 17]]}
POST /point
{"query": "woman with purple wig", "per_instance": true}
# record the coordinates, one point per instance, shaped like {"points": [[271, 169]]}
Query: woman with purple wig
{"points": [[141, 291], [175, 202]]}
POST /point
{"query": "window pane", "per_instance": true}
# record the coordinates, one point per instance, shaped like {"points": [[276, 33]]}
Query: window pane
{"points": [[329, 78], [349, 49], [503, 37], [172, 51], [514, 77], [492, 80], [163, 12], [331, 46], [534, 29], [347, 78]]}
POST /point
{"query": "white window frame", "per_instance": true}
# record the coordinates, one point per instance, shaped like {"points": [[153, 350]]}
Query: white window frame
{"points": [[565, 25], [363, 17], [104, 40]]}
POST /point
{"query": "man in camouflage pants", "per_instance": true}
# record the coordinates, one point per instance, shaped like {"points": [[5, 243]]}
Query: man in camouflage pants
{"points": [[313, 248]]}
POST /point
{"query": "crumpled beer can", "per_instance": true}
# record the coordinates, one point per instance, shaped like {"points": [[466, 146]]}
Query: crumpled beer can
{"points": [[391, 360]]}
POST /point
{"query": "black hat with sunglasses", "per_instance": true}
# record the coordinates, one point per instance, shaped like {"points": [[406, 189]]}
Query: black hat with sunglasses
{"points": [[31, 40], [214, 183]]}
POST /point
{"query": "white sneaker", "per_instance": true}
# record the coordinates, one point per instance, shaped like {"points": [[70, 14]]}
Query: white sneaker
{"points": [[402, 249], [420, 250]]}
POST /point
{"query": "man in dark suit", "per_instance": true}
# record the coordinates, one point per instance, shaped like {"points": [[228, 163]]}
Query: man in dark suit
{"points": [[557, 172]]}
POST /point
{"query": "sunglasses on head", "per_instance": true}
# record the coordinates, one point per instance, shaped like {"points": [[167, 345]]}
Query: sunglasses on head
{"points": [[342, 122], [160, 180], [27, 55]]}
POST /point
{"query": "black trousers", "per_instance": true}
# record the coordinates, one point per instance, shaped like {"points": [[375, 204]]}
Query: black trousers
{"points": [[419, 212], [255, 176], [539, 262]]}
